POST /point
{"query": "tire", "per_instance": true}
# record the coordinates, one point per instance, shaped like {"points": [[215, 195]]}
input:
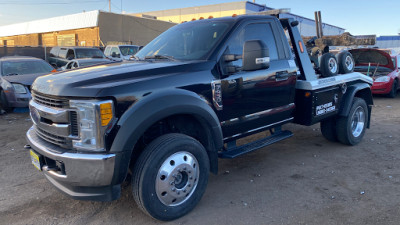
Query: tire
{"points": [[393, 92], [346, 62], [170, 176], [328, 129], [4, 102], [328, 65], [350, 129]]}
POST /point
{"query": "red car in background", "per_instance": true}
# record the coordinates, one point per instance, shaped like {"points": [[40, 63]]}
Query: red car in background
{"points": [[381, 66]]}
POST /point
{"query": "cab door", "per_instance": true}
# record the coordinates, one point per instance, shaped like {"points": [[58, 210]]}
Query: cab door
{"points": [[256, 100]]}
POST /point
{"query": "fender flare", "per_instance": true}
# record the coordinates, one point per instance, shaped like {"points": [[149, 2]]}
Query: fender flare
{"points": [[157, 106], [362, 90]]}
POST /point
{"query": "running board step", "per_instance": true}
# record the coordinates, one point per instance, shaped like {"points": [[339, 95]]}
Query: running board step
{"points": [[236, 151]]}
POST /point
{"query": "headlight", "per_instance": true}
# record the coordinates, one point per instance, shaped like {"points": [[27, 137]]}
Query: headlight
{"points": [[382, 79], [19, 88], [94, 119]]}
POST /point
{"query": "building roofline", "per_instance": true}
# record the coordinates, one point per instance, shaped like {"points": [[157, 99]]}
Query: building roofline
{"points": [[235, 2], [59, 23], [225, 3]]}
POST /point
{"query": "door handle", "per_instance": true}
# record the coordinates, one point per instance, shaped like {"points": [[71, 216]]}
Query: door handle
{"points": [[283, 75]]}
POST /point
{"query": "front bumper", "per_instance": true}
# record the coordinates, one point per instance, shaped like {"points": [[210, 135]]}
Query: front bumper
{"points": [[381, 87], [81, 176], [18, 100]]}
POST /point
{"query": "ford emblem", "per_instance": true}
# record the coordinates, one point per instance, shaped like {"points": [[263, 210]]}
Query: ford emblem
{"points": [[35, 116]]}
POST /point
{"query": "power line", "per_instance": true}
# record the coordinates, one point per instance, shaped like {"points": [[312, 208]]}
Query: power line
{"points": [[48, 3]]}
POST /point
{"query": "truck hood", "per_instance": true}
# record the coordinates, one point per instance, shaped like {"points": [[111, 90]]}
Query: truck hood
{"points": [[364, 56], [88, 82], [26, 79]]}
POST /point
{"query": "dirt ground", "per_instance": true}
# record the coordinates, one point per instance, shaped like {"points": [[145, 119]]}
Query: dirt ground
{"points": [[302, 180]]}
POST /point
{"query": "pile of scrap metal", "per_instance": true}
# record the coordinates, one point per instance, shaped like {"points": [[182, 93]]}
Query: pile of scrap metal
{"points": [[345, 39]]}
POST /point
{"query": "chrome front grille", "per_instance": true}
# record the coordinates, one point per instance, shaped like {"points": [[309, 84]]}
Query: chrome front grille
{"points": [[54, 121], [74, 123], [51, 101], [54, 139]]}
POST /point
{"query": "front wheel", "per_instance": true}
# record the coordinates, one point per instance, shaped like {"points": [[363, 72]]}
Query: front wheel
{"points": [[4, 102], [393, 92], [170, 176], [350, 129]]}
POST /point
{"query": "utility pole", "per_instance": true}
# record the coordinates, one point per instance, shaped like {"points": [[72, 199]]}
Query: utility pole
{"points": [[109, 5]]}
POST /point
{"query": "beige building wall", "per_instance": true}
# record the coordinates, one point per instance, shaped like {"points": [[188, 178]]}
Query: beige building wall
{"points": [[129, 29]]}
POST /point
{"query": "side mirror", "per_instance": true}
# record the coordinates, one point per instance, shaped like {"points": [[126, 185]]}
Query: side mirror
{"points": [[255, 55]]}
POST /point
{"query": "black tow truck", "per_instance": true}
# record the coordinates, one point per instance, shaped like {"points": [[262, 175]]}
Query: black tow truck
{"points": [[165, 118]]}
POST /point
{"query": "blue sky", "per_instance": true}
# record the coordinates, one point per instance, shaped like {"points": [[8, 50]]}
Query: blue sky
{"points": [[356, 16]]}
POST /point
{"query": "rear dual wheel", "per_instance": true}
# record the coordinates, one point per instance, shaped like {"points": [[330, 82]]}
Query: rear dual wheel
{"points": [[348, 129], [170, 176]]}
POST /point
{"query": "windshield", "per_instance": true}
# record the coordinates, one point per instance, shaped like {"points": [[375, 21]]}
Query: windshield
{"points": [[128, 50], [187, 41], [89, 53], [25, 67]]}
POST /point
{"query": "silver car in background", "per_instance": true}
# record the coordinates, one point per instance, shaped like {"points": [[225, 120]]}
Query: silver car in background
{"points": [[17, 74], [78, 63], [121, 52]]}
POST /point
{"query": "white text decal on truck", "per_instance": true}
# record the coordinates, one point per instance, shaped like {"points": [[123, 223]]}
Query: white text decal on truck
{"points": [[262, 60], [325, 108]]}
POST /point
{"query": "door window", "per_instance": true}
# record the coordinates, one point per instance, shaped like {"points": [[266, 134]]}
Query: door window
{"points": [[107, 51], [70, 54], [115, 52], [256, 31]]}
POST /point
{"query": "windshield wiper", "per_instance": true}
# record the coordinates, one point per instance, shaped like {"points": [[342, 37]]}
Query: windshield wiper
{"points": [[160, 57], [135, 58], [11, 74]]}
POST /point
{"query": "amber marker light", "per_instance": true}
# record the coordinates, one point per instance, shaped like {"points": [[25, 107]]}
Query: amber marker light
{"points": [[307, 94], [105, 113], [301, 47]]}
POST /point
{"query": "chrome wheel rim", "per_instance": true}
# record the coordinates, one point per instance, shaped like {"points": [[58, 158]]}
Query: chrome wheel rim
{"points": [[177, 178], [358, 122], [332, 65], [349, 63]]}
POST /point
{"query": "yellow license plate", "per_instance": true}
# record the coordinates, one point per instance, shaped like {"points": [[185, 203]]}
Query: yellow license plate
{"points": [[35, 160]]}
